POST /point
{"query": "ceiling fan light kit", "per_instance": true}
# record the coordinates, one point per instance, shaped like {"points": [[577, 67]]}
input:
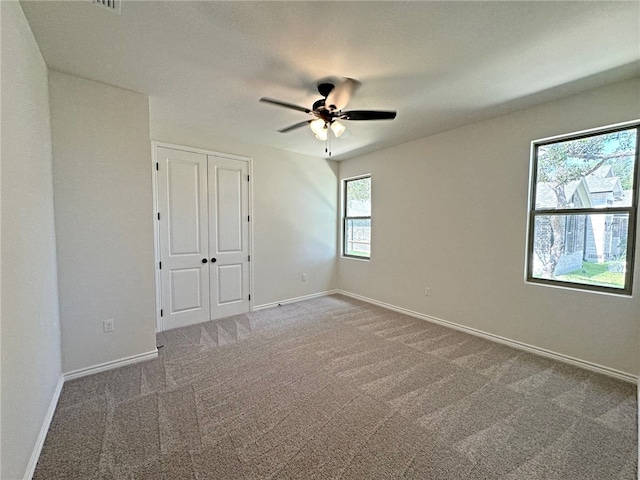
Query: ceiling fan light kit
{"points": [[321, 128], [337, 128], [328, 110]]}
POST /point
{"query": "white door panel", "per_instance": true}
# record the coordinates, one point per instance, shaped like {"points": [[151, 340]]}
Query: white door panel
{"points": [[229, 209], [229, 236], [184, 242], [184, 207], [229, 283], [185, 289]]}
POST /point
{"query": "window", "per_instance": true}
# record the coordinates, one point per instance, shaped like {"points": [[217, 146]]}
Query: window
{"points": [[583, 210], [357, 217]]}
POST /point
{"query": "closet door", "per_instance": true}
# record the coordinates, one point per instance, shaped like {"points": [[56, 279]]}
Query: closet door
{"points": [[184, 243], [228, 236]]}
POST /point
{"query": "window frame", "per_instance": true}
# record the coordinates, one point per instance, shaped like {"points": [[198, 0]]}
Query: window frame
{"points": [[606, 210], [346, 218]]}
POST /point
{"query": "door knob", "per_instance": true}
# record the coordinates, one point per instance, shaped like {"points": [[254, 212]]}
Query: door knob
{"points": [[213, 260], [204, 260]]}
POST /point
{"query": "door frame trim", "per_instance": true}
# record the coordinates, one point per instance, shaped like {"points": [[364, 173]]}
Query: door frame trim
{"points": [[156, 225]]}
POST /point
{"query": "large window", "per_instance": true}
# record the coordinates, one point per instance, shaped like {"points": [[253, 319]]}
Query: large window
{"points": [[583, 210], [357, 217]]}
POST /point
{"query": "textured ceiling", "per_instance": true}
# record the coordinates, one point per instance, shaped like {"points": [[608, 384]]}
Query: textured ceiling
{"points": [[439, 64]]}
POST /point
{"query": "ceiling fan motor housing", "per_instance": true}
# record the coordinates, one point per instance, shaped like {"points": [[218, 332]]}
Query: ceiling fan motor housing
{"points": [[325, 89]]}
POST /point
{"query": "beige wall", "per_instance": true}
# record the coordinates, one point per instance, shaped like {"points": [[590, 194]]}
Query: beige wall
{"points": [[30, 359], [104, 226], [450, 213], [294, 214]]}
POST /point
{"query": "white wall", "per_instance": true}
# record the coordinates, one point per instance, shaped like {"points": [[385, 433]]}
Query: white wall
{"points": [[294, 214], [30, 359], [104, 226], [450, 212]]}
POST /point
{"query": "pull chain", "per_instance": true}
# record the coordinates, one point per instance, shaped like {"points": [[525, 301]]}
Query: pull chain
{"points": [[327, 145]]}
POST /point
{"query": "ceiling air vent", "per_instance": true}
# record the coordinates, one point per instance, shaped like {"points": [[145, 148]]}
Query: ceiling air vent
{"points": [[111, 5]]}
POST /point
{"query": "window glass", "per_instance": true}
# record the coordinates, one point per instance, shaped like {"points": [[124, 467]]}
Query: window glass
{"points": [[359, 197], [595, 171], [358, 237], [594, 250]]}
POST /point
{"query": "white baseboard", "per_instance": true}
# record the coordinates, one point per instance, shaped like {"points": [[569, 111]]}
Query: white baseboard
{"points": [[83, 372], [35, 454], [612, 372], [294, 300]]}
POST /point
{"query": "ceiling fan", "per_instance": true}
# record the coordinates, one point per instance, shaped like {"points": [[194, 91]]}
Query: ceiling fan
{"points": [[327, 112]]}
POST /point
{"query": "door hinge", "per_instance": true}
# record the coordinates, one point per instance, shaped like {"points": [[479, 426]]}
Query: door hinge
{"points": [[158, 215], [247, 178], [160, 265], [161, 312], [157, 166], [248, 258], [248, 218], [249, 296]]}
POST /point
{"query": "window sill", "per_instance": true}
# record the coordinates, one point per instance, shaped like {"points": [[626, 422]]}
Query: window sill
{"points": [[358, 259], [610, 293]]}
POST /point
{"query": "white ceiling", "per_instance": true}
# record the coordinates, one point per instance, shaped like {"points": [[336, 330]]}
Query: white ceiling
{"points": [[439, 64]]}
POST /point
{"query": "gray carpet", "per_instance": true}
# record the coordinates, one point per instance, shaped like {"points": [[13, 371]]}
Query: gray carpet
{"points": [[337, 388]]}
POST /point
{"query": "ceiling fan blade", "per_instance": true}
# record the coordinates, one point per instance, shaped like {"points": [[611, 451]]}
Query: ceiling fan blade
{"points": [[367, 115], [341, 94], [285, 104], [294, 126]]}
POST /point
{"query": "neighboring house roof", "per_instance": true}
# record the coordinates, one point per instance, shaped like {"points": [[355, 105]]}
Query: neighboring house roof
{"points": [[603, 171], [603, 180], [598, 184], [546, 197]]}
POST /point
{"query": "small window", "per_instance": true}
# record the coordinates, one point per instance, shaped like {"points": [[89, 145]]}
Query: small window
{"points": [[357, 217], [583, 210]]}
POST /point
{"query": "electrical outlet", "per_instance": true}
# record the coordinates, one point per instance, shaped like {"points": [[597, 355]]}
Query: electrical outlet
{"points": [[427, 291], [304, 277], [107, 325]]}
